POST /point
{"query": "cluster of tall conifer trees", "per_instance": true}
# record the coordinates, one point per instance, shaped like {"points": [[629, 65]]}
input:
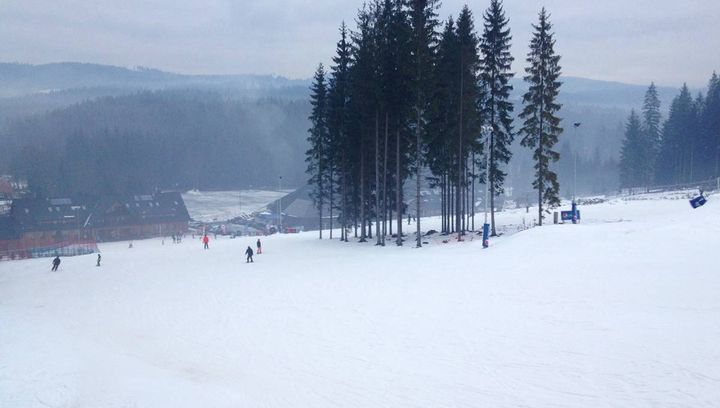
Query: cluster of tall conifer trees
{"points": [[411, 96], [683, 149]]}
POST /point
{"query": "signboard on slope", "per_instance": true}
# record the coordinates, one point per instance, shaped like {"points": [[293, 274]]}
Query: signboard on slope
{"points": [[698, 201], [568, 215]]}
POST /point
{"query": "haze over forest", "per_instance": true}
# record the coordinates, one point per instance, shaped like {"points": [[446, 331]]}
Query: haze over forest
{"points": [[226, 131]]}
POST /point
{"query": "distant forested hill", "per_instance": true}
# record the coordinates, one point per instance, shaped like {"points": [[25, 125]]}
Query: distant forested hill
{"points": [[22, 79], [159, 139], [68, 125]]}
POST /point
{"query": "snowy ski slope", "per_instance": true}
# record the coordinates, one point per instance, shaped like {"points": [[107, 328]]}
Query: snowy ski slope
{"points": [[209, 206], [622, 310]]}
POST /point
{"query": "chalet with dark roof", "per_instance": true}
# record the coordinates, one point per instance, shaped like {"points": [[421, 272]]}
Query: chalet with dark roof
{"points": [[52, 222]]}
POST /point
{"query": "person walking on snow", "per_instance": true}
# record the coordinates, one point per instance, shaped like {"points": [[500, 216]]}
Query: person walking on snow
{"points": [[205, 241], [259, 247], [249, 253], [56, 263], [98, 261]]}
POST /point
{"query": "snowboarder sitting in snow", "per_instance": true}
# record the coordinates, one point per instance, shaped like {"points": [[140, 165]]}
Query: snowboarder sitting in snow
{"points": [[259, 247], [205, 240], [55, 263], [249, 253]]}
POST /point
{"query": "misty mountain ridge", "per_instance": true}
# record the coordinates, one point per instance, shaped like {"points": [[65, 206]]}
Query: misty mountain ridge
{"points": [[17, 80], [65, 106], [22, 79]]}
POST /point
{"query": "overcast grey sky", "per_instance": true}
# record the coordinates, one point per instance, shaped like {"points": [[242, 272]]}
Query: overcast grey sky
{"points": [[635, 41]]}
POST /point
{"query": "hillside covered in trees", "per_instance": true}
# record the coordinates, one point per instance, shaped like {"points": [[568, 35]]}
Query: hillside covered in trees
{"points": [[40, 104], [160, 139], [683, 147]]}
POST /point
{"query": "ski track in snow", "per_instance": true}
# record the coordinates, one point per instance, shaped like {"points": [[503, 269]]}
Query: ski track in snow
{"points": [[600, 314]]}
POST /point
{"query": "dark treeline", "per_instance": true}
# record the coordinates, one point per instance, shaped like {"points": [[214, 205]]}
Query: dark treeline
{"points": [[409, 96], [157, 140], [685, 148]]}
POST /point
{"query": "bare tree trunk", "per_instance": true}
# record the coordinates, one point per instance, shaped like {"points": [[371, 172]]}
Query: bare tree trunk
{"points": [[453, 209], [418, 152], [460, 154], [466, 195], [492, 184], [390, 223], [363, 232], [472, 199], [540, 206], [377, 179], [344, 223], [331, 201], [442, 207], [384, 182], [320, 215], [541, 173], [398, 188]]}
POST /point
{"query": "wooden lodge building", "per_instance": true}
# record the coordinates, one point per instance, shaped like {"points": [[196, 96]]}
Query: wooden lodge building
{"points": [[41, 227]]}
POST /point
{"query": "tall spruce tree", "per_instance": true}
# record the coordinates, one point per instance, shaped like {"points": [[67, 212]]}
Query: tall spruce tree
{"points": [[337, 130], [363, 109], [674, 158], [469, 95], [316, 156], [496, 75], [541, 127], [631, 153], [651, 122], [394, 75], [423, 24], [710, 124], [443, 120], [697, 154]]}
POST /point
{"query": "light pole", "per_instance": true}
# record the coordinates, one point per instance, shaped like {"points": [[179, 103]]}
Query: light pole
{"points": [[576, 125], [486, 227]]}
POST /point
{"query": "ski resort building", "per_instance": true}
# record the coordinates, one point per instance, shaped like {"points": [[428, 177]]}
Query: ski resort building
{"points": [[299, 212], [37, 227]]}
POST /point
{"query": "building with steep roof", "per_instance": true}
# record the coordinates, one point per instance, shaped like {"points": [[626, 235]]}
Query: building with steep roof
{"points": [[44, 225]]}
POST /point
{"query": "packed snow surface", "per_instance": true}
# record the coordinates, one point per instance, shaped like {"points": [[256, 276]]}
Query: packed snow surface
{"points": [[622, 310]]}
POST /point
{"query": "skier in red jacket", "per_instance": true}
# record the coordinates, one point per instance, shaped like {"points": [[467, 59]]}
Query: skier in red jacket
{"points": [[205, 241]]}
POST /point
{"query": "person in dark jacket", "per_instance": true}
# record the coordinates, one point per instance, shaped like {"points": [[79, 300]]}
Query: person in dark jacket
{"points": [[259, 247], [249, 253], [56, 263], [98, 260]]}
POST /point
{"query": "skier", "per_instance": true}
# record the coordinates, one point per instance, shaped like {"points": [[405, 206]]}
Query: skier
{"points": [[249, 253], [56, 263], [259, 247], [205, 241], [98, 260]]}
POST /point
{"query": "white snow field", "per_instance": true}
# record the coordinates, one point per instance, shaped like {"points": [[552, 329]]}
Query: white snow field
{"points": [[622, 310], [208, 206]]}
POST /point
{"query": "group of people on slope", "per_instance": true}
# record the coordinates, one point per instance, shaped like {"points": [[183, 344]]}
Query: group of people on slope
{"points": [[248, 252], [206, 245], [56, 262]]}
